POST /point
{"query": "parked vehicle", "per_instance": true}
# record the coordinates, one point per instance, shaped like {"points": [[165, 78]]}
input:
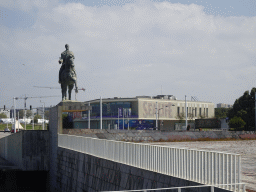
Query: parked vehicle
{"points": [[17, 130], [6, 130]]}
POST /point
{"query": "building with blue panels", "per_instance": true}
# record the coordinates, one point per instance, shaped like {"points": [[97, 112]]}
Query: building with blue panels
{"points": [[141, 112]]}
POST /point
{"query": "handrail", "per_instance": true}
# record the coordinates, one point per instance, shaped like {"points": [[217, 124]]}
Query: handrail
{"points": [[185, 187], [206, 167]]}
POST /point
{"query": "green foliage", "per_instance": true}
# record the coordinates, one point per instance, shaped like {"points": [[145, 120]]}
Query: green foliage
{"points": [[3, 115], [221, 113], [237, 123], [36, 118], [22, 114], [181, 117], [244, 107], [65, 122], [46, 115]]}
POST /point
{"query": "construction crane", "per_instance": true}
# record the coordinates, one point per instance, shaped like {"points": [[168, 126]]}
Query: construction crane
{"points": [[83, 89], [25, 107]]}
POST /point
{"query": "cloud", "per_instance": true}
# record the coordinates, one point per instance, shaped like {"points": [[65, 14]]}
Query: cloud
{"points": [[25, 5], [135, 48]]}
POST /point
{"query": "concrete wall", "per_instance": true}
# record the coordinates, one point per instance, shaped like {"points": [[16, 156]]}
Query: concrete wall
{"points": [[28, 150], [14, 149], [35, 150], [207, 123], [54, 125], [82, 172]]}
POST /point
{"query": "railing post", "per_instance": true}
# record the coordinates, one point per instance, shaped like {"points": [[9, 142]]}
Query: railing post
{"points": [[235, 172], [212, 188], [239, 171], [231, 172]]}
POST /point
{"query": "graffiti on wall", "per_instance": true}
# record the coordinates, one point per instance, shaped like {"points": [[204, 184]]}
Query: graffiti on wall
{"points": [[149, 109]]}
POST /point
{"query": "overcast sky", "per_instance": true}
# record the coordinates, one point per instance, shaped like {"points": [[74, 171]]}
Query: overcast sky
{"points": [[127, 48]]}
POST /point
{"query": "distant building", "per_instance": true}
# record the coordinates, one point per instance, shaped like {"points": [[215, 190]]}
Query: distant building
{"points": [[223, 105], [12, 113], [140, 112]]}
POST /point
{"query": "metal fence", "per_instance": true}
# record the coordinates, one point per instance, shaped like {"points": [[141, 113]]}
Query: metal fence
{"points": [[179, 189], [206, 167]]}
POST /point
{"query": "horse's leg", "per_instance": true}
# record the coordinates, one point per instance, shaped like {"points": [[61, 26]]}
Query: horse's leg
{"points": [[63, 91], [66, 89], [70, 87]]}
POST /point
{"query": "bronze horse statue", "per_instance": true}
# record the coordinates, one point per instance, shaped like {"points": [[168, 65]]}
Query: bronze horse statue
{"points": [[68, 77]]}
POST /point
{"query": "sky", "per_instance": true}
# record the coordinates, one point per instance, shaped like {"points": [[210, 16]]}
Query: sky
{"points": [[128, 48]]}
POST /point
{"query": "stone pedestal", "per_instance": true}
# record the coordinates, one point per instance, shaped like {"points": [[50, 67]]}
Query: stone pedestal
{"points": [[55, 128]]}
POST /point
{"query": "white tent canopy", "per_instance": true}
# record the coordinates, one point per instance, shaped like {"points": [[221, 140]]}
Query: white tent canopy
{"points": [[17, 125]]}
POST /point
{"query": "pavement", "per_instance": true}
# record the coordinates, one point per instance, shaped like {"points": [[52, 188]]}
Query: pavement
{"points": [[4, 134], [247, 148]]}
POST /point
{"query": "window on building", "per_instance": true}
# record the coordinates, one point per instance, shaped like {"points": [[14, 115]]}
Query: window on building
{"points": [[206, 112], [200, 111], [178, 110], [195, 112]]}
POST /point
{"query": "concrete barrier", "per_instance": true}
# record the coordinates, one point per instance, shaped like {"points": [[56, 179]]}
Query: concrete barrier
{"points": [[28, 150]]}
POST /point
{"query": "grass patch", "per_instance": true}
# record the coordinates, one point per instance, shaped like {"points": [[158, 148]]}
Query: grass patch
{"points": [[28, 126]]}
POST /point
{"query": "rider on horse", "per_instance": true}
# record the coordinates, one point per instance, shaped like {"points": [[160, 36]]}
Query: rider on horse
{"points": [[64, 56]]}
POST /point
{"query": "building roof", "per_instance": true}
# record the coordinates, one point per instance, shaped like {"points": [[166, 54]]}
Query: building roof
{"points": [[158, 97]]}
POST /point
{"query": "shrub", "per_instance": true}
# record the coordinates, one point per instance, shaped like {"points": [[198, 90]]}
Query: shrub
{"points": [[236, 122]]}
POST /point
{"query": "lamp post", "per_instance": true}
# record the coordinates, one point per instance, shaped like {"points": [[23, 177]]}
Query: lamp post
{"points": [[186, 111], [100, 112], [156, 115], [14, 113], [43, 112], [33, 119], [118, 117], [18, 120], [89, 116]]}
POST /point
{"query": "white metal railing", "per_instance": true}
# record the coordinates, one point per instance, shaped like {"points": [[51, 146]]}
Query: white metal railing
{"points": [[206, 167], [211, 188]]}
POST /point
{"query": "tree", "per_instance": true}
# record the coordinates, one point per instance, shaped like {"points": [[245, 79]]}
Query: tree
{"points": [[221, 113], [244, 107], [46, 115], [22, 113], [29, 113], [3, 115], [191, 117], [181, 117], [66, 122], [237, 123], [36, 118]]}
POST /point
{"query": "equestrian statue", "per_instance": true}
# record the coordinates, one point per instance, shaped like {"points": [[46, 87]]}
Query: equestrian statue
{"points": [[67, 73]]}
